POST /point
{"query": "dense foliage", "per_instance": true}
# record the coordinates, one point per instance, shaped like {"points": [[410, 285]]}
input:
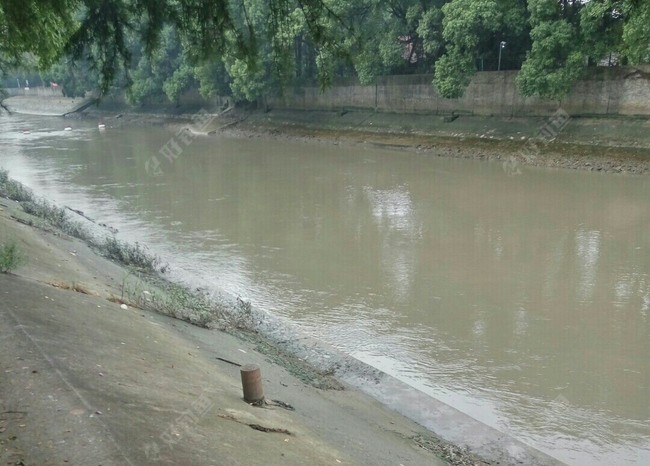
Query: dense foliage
{"points": [[249, 48]]}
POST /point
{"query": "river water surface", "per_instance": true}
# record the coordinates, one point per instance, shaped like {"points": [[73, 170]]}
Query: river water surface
{"points": [[521, 300]]}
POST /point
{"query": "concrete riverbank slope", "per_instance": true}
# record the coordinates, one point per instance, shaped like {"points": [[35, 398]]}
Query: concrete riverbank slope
{"points": [[87, 381]]}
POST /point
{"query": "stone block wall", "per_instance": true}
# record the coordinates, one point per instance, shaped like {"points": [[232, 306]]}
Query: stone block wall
{"points": [[606, 91]]}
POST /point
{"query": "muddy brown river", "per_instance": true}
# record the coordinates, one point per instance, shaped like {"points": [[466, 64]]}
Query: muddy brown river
{"points": [[519, 299]]}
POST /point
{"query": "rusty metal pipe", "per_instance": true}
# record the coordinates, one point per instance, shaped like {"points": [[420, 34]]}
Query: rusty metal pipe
{"points": [[251, 380]]}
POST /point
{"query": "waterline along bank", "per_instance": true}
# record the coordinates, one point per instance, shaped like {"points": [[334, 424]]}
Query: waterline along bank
{"points": [[462, 281]]}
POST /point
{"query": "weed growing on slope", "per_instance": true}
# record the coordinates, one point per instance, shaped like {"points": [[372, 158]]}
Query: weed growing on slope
{"points": [[10, 256]]}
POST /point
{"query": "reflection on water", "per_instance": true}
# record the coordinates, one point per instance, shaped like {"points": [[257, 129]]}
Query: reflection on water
{"points": [[521, 300], [587, 250]]}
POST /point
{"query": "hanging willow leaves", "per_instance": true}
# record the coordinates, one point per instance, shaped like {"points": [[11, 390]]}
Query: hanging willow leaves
{"points": [[253, 47]]}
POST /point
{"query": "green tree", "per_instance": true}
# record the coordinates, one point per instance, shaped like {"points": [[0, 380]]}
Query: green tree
{"points": [[636, 31], [401, 36], [39, 28], [556, 59], [251, 48], [75, 78], [601, 25], [98, 29], [569, 36], [474, 29], [166, 70], [212, 78]]}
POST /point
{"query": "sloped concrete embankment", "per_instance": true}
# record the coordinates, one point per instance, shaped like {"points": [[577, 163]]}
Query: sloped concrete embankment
{"points": [[88, 381]]}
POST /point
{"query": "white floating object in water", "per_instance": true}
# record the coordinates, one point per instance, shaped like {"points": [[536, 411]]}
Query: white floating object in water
{"points": [[101, 126], [124, 306], [67, 128]]}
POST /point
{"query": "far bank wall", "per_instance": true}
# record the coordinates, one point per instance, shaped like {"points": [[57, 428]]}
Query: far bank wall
{"points": [[39, 91], [607, 91]]}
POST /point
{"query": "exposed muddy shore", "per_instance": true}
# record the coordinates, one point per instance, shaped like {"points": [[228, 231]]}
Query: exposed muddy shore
{"points": [[592, 144], [601, 144]]}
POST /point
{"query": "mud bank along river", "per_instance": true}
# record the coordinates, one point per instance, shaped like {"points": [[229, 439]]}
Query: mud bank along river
{"points": [[519, 298]]}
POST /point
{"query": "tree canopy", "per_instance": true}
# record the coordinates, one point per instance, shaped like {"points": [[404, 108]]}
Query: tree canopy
{"points": [[247, 48]]}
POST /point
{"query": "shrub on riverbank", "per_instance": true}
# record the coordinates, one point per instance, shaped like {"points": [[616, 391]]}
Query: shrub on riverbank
{"points": [[165, 297], [128, 254], [10, 256], [123, 253], [13, 189], [172, 299], [40, 208]]}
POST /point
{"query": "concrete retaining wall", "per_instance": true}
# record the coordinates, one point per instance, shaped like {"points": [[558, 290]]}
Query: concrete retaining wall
{"points": [[34, 91], [189, 102], [51, 105], [607, 91]]}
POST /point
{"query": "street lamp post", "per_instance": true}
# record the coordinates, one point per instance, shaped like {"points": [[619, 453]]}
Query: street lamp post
{"points": [[502, 46]]}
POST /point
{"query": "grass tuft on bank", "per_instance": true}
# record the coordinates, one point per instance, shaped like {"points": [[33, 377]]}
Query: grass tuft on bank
{"points": [[171, 299], [121, 252], [142, 287], [11, 257], [130, 255], [178, 301], [12, 189]]}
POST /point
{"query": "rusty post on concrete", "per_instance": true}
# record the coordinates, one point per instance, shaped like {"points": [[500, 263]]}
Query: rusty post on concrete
{"points": [[251, 380]]}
